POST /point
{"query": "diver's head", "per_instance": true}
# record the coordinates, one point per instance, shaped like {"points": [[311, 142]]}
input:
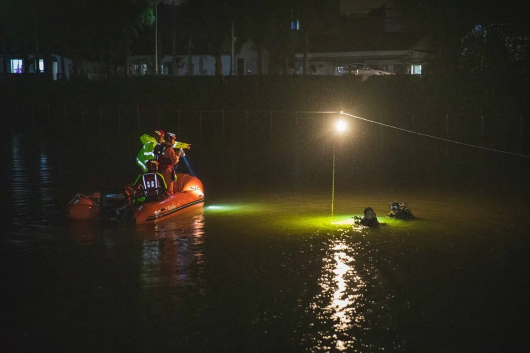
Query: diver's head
{"points": [[369, 213], [394, 206]]}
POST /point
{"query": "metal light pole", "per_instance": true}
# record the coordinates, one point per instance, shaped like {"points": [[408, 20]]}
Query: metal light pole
{"points": [[233, 59], [156, 39], [340, 127], [333, 182]]}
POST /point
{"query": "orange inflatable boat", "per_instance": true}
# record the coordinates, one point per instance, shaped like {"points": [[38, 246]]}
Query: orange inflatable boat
{"points": [[189, 193]]}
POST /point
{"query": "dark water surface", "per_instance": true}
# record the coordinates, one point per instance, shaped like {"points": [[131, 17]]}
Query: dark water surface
{"points": [[258, 272]]}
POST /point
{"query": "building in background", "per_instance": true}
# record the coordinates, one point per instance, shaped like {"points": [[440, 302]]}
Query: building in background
{"points": [[373, 32], [200, 63], [20, 64]]}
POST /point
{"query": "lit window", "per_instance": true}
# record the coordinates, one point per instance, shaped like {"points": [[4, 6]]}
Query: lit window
{"points": [[41, 65], [295, 20], [16, 66], [415, 70]]}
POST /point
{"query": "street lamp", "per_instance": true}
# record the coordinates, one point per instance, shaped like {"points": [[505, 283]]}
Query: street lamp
{"points": [[340, 127]]}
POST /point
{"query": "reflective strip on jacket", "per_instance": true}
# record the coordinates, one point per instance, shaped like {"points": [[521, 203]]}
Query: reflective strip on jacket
{"points": [[139, 180], [147, 151]]}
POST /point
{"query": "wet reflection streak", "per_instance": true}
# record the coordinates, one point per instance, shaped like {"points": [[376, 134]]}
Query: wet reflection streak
{"points": [[173, 250], [338, 308]]}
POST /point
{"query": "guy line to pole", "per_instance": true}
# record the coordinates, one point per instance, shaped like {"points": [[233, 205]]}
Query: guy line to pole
{"points": [[256, 111], [434, 137]]}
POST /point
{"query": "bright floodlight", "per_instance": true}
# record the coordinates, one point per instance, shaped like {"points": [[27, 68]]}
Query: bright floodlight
{"points": [[341, 126]]}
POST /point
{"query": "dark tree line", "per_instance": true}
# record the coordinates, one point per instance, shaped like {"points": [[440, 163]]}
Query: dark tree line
{"points": [[80, 30], [474, 36], [465, 36], [103, 30], [267, 23]]}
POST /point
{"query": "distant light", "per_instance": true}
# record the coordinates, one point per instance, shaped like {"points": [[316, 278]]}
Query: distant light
{"points": [[341, 126], [215, 207]]}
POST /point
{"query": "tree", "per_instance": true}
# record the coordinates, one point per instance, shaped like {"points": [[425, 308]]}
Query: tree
{"points": [[211, 21], [81, 29], [313, 15], [462, 31]]}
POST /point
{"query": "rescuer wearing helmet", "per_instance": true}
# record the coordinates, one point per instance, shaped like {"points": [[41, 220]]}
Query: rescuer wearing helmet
{"points": [[148, 149], [151, 184], [178, 148], [159, 136], [167, 159]]}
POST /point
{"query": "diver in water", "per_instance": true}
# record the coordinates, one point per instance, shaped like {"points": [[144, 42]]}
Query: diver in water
{"points": [[369, 219], [400, 210]]}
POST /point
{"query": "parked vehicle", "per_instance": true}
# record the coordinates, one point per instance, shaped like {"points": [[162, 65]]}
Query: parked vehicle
{"points": [[361, 70]]}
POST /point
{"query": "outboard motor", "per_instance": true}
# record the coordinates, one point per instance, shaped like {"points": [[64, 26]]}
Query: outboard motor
{"points": [[110, 202]]}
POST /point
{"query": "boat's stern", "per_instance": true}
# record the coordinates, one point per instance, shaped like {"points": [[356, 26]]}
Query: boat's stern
{"points": [[83, 208]]}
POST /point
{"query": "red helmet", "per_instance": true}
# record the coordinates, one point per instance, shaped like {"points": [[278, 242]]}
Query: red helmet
{"points": [[159, 133]]}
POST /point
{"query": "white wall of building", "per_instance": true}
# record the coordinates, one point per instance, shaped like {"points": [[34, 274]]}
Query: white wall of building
{"points": [[398, 61], [204, 65], [250, 56]]}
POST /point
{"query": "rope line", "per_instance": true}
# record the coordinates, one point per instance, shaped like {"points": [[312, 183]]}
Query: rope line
{"points": [[435, 137]]}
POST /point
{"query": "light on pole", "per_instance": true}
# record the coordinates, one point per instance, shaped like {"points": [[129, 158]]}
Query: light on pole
{"points": [[340, 127]]}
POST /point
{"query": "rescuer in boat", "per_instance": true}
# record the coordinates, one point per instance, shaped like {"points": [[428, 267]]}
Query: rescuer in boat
{"points": [[167, 159], [179, 152], [400, 210], [150, 144], [177, 149], [369, 219], [150, 186]]}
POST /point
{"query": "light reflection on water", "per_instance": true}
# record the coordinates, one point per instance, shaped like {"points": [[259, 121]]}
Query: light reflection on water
{"points": [[19, 179], [342, 287], [32, 184], [352, 299], [171, 249]]}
